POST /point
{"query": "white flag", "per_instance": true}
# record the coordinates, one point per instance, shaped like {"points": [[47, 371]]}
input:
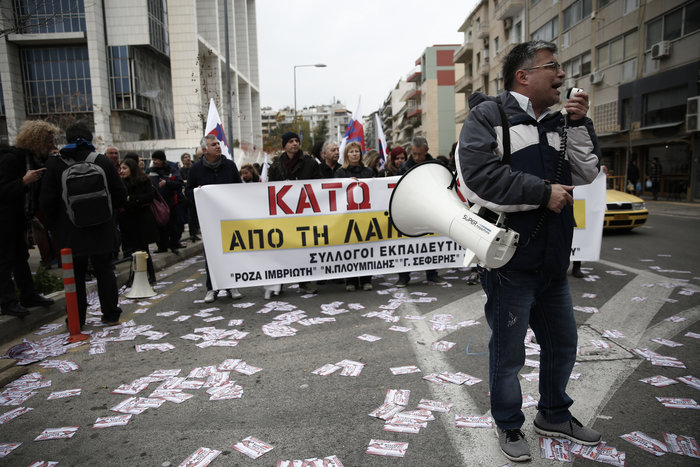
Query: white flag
{"points": [[214, 127]]}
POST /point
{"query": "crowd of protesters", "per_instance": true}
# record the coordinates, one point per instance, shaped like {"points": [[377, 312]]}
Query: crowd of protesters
{"points": [[137, 184]]}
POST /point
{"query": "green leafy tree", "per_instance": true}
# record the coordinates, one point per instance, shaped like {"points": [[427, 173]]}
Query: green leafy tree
{"points": [[321, 130]]}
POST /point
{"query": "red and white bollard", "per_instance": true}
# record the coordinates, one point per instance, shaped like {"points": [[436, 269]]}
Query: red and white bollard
{"points": [[71, 297]]}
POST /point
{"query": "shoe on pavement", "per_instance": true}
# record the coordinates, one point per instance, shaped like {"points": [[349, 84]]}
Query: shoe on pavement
{"points": [[36, 300], [15, 309], [306, 287], [473, 278], [576, 272], [572, 430], [436, 280], [210, 296], [367, 286], [514, 445], [234, 293], [401, 283], [268, 294], [350, 287]]}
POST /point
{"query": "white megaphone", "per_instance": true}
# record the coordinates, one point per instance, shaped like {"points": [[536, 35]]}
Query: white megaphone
{"points": [[424, 202], [140, 287]]}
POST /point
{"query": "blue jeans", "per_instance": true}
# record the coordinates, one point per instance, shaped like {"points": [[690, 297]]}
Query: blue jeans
{"points": [[515, 300]]}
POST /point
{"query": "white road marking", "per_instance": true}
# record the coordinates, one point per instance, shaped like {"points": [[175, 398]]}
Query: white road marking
{"points": [[600, 377]]}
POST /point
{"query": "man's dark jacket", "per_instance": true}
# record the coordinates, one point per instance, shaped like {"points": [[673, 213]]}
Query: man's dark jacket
{"points": [[201, 175], [306, 168], [84, 241]]}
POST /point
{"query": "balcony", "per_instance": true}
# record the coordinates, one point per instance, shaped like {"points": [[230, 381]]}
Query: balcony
{"points": [[508, 9], [464, 53], [414, 76], [411, 95], [482, 29], [414, 113], [464, 85], [461, 115]]}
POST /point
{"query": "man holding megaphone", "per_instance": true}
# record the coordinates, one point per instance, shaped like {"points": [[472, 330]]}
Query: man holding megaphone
{"points": [[517, 157]]}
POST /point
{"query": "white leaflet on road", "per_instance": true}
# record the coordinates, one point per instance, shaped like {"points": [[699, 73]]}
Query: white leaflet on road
{"points": [[645, 442], [555, 449], [659, 381], [473, 421], [386, 448], [57, 433], [252, 447], [200, 458], [678, 403], [63, 394], [403, 370], [683, 445], [112, 420]]}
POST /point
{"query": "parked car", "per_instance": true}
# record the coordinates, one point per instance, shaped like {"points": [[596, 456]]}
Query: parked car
{"points": [[624, 211]]}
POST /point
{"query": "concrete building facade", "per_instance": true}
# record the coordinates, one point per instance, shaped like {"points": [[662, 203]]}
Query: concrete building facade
{"points": [[638, 60], [427, 106], [141, 72]]}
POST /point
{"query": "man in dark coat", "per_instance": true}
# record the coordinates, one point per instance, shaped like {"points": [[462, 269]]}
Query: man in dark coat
{"points": [[292, 164], [212, 169], [18, 180], [167, 180], [94, 243]]}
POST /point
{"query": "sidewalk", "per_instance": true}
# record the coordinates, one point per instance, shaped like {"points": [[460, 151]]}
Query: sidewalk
{"points": [[12, 327]]}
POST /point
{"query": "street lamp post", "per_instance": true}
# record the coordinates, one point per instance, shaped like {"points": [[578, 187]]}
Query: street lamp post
{"points": [[317, 65]]}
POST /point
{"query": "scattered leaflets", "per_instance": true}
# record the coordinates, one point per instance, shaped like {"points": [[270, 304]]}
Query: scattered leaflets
{"points": [[112, 420], [613, 334], [442, 346], [368, 338], [645, 442], [64, 366], [330, 461], [64, 394], [435, 406], [6, 448], [683, 445], [252, 447], [473, 421], [397, 396], [586, 309], [57, 433], [666, 342], [200, 458], [12, 414], [691, 381], [555, 449], [403, 370], [659, 381], [678, 403], [386, 448]]}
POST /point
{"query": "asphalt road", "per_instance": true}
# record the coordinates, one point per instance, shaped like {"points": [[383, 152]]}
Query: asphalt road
{"points": [[304, 415]]}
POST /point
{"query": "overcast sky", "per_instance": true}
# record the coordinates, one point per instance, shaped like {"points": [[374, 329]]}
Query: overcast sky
{"points": [[367, 45]]}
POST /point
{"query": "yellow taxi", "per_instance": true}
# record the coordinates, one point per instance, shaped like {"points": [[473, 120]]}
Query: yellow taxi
{"points": [[624, 211]]}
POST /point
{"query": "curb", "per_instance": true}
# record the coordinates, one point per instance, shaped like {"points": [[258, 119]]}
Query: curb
{"points": [[12, 328]]}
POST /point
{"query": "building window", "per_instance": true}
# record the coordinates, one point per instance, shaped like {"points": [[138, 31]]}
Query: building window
{"points": [[158, 25], [2, 102], [673, 25], [36, 16], [495, 46], [578, 66], [626, 114], [119, 77], [602, 3], [630, 6], [666, 106], [579, 10], [619, 49], [56, 80], [547, 32]]}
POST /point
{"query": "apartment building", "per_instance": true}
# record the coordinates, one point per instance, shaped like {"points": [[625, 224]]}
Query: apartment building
{"points": [[638, 60], [141, 72], [428, 105]]}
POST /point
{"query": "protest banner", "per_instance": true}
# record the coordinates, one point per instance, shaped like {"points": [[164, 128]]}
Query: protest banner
{"points": [[589, 213], [294, 231]]}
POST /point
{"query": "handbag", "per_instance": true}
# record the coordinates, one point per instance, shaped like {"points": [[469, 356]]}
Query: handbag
{"points": [[160, 210]]}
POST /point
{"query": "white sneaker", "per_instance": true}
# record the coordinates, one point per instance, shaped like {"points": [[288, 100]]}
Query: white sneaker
{"points": [[234, 293], [210, 296]]}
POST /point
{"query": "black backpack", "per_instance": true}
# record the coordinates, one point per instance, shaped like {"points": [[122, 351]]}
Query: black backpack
{"points": [[85, 192]]}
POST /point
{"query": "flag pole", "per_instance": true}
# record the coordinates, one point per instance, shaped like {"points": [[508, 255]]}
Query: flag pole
{"points": [[229, 110]]}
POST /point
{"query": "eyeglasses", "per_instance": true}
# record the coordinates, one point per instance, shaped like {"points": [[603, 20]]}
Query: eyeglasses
{"points": [[556, 66]]}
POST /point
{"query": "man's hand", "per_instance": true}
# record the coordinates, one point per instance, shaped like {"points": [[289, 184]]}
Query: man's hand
{"points": [[161, 184], [560, 197], [577, 106], [32, 176]]}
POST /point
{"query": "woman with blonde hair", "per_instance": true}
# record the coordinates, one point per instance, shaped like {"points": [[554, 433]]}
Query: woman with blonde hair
{"points": [[249, 174], [373, 160], [354, 168]]}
